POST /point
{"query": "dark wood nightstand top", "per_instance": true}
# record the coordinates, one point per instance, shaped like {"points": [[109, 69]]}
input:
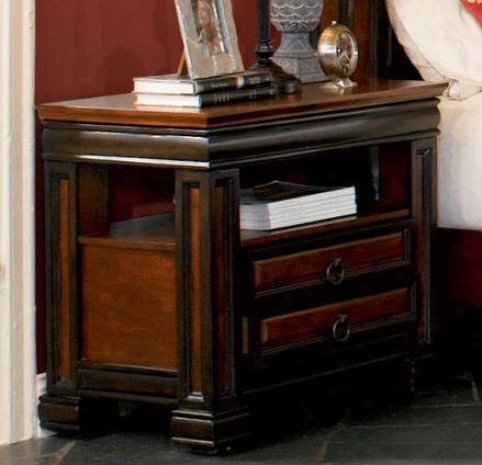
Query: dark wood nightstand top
{"points": [[313, 99]]}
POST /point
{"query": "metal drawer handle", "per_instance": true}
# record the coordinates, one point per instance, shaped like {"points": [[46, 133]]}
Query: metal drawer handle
{"points": [[335, 271], [341, 329]]}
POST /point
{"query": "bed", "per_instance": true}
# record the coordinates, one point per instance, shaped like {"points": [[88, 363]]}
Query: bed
{"points": [[442, 40]]}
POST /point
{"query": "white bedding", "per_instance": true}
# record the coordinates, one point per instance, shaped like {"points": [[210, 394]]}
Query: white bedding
{"points": [[445, 42], [460, 163]]}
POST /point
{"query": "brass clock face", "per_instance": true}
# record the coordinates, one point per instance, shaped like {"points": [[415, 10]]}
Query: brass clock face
{"points": [[338, 51]]}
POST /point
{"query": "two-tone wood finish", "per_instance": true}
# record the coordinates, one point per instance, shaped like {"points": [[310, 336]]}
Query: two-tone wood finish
{"points": [[174, 305]]}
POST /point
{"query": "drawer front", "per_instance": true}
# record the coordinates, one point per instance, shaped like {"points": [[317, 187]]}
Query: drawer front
{"points": [[330, 263], [336, 321]]}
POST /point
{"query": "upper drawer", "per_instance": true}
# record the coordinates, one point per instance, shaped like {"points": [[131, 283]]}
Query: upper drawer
{"points": [[331, 263]]}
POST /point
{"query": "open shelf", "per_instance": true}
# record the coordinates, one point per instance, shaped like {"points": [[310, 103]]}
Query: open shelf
{"points": [[154, 232], [157, 232]]}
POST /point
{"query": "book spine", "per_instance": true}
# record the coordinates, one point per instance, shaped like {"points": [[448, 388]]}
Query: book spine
{"points": [[232, 82], [255, 80], [224, 83], [237, 95]]}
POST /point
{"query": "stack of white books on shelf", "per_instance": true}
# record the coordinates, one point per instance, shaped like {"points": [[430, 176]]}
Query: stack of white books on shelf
{"points": [[279, 204], [173, 90]]}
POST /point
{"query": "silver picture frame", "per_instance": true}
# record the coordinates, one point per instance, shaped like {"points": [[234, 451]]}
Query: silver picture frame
{"points": [[209, 37]]}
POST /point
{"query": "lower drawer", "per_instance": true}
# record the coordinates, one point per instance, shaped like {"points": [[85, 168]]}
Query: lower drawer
{"points": [[338, 321]]}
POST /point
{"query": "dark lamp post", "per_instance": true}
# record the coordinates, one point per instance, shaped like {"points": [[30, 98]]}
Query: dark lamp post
{"points": [[264, 51]]}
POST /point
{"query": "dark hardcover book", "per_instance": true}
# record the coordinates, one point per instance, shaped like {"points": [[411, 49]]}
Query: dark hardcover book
{"points": [[173, 84], [208, 98]]}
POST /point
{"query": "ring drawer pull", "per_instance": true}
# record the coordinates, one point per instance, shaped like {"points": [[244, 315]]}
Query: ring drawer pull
{"points": [[341, 329], [335, 271]]}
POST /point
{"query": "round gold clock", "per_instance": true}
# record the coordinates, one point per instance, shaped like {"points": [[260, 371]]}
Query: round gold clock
{"points": [[338, 53]]}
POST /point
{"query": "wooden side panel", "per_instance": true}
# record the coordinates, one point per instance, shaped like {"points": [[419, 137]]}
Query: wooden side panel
{"points": [[128, 307], [224, 320], [394, 177], [93, 194], [64, 285], [195, 320]]}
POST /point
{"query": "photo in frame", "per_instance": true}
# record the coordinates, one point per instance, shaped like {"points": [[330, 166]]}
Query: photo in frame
{"points": [[209, 38]]}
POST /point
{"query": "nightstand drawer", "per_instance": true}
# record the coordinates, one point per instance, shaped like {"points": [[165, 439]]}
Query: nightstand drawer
{"points": [[338, 321], [332, 263]]}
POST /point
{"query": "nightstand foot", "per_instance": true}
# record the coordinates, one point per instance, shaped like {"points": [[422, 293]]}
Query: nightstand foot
{"points": [[210, 433]]}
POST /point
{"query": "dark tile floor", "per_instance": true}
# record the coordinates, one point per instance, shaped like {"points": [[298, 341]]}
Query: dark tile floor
{"points": [[440, 425]]}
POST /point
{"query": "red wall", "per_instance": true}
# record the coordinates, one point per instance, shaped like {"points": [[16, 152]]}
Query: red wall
{"points": [[95, 47]]}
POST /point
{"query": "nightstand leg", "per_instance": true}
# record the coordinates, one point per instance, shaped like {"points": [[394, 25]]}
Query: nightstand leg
{"points": [[210, 416]]}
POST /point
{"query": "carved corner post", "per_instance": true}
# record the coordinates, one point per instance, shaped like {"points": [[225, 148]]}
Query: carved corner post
{"points": [[69, 189], [209, 416], [425, 181], [59, 408], [424, 206]]}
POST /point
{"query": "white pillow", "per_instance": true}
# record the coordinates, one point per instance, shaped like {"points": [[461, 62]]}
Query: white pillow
{"points": [[442, 40]]}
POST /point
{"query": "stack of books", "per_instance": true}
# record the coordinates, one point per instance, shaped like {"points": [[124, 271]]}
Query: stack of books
{"points": [[281, 204], [172, 90]]}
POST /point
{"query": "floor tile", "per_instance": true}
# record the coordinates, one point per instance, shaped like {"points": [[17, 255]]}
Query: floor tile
{"points": [[441, 425]]}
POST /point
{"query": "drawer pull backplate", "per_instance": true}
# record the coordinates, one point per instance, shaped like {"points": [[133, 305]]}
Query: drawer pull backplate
{"points": [[341, 329], [335, 271]]}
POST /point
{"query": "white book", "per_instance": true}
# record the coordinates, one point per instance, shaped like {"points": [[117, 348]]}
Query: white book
{"points": [[276, 223], [277, 195], [174, 84], [280, 204], [207, 98], [300, 210]]}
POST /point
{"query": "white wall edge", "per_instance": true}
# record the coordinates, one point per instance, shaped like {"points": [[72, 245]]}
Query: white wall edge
{"points": [[42, 390], [18, 404], [5, 227]]}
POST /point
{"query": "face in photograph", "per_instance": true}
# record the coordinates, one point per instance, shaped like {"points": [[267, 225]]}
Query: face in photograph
{"points": [[208, 26]]}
